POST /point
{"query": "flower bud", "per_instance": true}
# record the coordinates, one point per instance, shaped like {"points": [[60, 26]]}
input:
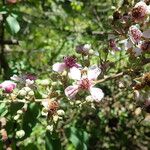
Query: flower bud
{"points": [[20, 133], [138, 111], [16, 117], [54, 84], [2, 122], [60, 112], [89, 99], [50, 128], [31, 93], [27, 89], [22, 93], [55, 118], [91, 52], [4, 135], [78, 102], [19, 112], [45, 82]]}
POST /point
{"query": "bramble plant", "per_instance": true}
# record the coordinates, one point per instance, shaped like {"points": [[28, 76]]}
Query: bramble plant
{"points": [[95, 97]]}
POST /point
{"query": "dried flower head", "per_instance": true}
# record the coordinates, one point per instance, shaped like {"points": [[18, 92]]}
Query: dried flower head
{"points": [[135, 34], [146, 79], [140, 11], [51, 106]]}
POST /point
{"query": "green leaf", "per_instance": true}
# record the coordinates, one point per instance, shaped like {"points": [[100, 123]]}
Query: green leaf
{"points": [[52, 143], [12, 24], [78, 138]]}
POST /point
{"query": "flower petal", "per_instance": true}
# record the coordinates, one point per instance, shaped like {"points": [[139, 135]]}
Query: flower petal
{"points": [[59, 67], [8, 86], [75, 73], [137, 51], [128, 44], [146, 34], [97, 94], [45, 103], [93, 72], [71, 91]]}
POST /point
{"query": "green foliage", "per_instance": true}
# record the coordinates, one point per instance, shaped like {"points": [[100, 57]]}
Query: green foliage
{"points": [[48, 30]]}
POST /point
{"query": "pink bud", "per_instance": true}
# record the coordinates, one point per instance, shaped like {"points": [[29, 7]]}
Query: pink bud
{"points": [[8, 86]]}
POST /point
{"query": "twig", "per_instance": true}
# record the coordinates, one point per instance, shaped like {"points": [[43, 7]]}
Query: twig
{"points": [[21, 101]]}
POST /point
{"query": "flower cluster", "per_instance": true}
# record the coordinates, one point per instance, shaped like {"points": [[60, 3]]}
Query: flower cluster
{"points": [[134, 31]]}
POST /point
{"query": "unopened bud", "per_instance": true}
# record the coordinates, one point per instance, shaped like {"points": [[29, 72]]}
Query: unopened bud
{"points": [[2, 122], [50, 128], [78, 102], [131, 107], [60, 112], [89, 99], [45, 82], [20, 133], [19, 112], [22, 93], [4, 135], [138, 111], [54, 84], [55, 118], [16, 117], [31, 93], [91, 52], [27, 89]]}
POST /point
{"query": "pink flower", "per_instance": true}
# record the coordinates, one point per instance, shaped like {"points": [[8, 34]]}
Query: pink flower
{"points": [[135, 34], [84, 82], [135, 42], [140, 11], [8, 86], [69, 62]]}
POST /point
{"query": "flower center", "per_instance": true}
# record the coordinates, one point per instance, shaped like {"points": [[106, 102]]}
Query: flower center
{"points": [[70, 62], [139, 12], [85, 84], [136, 34]]}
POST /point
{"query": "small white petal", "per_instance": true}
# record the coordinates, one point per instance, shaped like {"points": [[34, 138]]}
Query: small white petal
{"points": [[97, 94], [75, 73], [93, 72], [128, 44], [7, 83], [15, 78], [45, 103], [146, 34], [59, 67], [137, 51], [71, 91]]}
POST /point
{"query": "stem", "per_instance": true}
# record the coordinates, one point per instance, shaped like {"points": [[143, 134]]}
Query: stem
{"points": [[21, 101], [3, 61], [110, 77]]}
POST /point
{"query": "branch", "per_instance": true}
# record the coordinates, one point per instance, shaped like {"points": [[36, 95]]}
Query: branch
{"points": [[21, 101], [9, 42], [121, 74]]}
